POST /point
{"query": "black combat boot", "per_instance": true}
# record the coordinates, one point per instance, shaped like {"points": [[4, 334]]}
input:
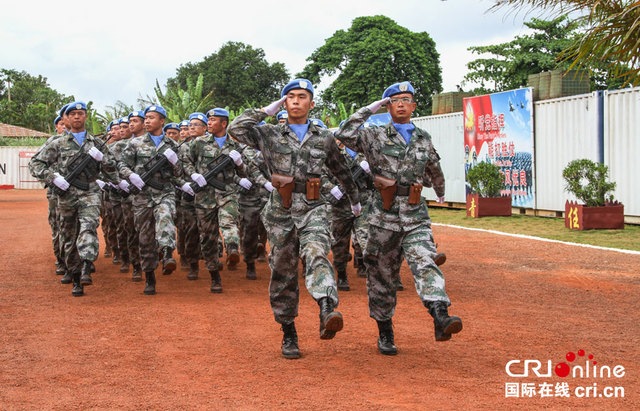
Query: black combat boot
{"points": [[216, 282], [440, 259], [330, 321], [67, 278], [444, 324], [261, 253], [78, 289], [194, 269], [233, 257], [290, 348], [184, 265], [168, 263], [124, 268], [251, 271], [85, 278], [137, 273], [150, 284], [61, 268], [343, 283], [92, 268], [107, 252], [116, 258], [385, 341]]}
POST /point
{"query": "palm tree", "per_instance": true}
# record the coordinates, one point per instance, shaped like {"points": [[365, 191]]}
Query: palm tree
{"points": [[612, 32], [180, 103]]}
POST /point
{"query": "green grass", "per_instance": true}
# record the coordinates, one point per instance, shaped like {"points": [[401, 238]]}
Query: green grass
{"points": [[552, 228]]}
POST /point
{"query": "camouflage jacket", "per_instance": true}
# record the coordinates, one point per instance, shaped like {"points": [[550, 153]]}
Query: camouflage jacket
{"points": [[50, 191], [202, 155], [136, 154], [258, 174], [58, 154], [389, 156], [285, 154], [183, 198]]}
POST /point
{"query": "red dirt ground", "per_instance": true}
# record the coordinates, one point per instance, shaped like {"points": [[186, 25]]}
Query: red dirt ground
{"points": [[187, 348]]}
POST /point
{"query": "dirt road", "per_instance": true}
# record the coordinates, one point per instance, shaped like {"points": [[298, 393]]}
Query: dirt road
{"points": [[187, 348]]}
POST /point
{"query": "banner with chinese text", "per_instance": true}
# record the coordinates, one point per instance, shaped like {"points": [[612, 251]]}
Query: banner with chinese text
{"points": [[498, 128]]}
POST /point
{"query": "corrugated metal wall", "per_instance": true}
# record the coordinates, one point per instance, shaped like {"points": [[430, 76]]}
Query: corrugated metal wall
{"points": [[448, 139], [622, 145], [565, 129], [14, 167]]}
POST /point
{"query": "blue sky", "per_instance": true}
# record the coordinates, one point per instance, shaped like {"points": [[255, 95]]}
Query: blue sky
{"points": [[109, 51]]}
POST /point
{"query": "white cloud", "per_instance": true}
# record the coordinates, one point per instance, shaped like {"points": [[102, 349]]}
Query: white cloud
{"points": [[115, 51]]}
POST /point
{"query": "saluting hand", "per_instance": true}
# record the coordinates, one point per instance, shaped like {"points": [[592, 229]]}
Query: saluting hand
{"points": [[274, 107], [375, 106]]}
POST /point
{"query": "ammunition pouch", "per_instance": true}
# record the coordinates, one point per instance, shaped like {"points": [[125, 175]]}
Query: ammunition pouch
{"points": [[387, 188], [414, 192], [313, 189]]}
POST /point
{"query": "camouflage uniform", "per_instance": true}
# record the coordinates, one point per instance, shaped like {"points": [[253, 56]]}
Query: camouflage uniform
{"points": [[251, 202], [187, 224], [302, 229], [79, 210], [153, 210], [215, 210], [127, 234], [405, 229], [360, 231], [53, 217]]}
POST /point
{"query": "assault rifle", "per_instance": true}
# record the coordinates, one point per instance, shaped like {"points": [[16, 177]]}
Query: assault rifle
{"points": [[154, 165], [221, 163], [359, 176], [76, 167]]}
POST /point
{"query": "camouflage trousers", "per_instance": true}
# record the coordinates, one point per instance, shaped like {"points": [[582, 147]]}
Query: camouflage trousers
{"points": [[229, 218], [188, 233], [117, 228], [383, 257], [209, 228], [54, 223], [131, 241], [155, 230], [360, 232], [253, 231], [105, 214], [79, 221], [342, 222], [309, 241]]}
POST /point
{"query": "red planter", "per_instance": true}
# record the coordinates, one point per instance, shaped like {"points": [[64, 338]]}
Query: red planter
{"points": [[488, 206], [580, 217]]}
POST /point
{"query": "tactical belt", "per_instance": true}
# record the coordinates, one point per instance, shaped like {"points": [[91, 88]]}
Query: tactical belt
{"points": [[403, 190], [300, 187]]}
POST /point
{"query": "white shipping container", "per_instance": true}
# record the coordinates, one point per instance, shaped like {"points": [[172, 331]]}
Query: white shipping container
{"points": [[14, 170]]}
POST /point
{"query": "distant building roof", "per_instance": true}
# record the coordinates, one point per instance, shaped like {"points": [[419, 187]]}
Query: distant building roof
{"points": [[7, 130]]}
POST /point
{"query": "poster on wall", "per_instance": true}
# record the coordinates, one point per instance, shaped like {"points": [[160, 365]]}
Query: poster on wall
{"points": [[498, 128]]}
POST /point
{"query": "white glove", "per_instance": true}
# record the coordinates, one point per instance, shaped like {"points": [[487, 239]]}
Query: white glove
{"points": [[236, 157], [124, 185], [100, 184], [440, 200], [274, 107], [199, 179], [171, 156], [245, 183], [356, 209], [95, 154], [269, 186], [186, 187], [60, 182], [335, 191], [365, 166], [375, 106], [136, 181]]}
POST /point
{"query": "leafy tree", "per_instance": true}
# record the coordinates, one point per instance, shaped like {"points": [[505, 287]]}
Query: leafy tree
{"points": [[235, 76], [180, 103], [588, 181], [29, 101], [611, 37], [530, 54], [372, 54]]}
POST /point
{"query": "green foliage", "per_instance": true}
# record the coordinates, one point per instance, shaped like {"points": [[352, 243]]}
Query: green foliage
{"points": [[485, 179], [179, 103], [588, 182], [512, 62], [29, 101], [610, 41], [233, 76], [372, 54], [22, 141]]}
